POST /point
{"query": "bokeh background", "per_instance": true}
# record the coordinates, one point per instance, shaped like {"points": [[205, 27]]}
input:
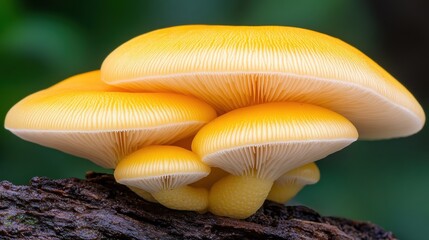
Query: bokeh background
{"points": [[385, 182]]}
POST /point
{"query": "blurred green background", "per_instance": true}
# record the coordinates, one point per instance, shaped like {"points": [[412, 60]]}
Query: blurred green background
{"points": [[385, 182]]}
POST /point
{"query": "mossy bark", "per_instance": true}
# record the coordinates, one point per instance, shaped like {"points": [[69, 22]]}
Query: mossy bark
{"points": [[99, 208]]}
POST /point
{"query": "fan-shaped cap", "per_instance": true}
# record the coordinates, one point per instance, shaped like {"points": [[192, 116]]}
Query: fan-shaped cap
{"points": [[304, 175], [236, 66], [290, 183], [156, 168], [271, 139], [102, 124]]}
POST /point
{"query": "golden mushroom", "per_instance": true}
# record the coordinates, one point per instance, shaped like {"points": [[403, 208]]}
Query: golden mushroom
{"points": [[260, 143], [165, 172]]}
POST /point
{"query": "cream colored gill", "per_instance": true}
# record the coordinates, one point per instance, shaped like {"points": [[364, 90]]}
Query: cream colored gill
{"points": [[236, 66]]}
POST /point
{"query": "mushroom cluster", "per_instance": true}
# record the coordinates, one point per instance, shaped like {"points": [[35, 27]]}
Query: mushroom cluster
{"points": [[220, 118]]}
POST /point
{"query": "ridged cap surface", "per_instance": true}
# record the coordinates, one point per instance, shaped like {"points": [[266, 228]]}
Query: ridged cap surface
{"points": [[236, 66]]}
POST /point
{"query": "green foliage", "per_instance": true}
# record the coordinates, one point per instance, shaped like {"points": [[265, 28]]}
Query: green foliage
{"points": [[381, 181]]}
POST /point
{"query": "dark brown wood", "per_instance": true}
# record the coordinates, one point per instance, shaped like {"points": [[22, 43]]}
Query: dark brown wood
{"points": [[99, 208]]}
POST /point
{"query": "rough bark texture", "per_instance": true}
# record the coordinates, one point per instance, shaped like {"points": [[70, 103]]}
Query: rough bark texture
{"points": [[99, 208]]}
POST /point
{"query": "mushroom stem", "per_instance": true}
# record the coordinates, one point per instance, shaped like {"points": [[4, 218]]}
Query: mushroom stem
{"points": [[184, 198], [238, 196], [281, 193]]}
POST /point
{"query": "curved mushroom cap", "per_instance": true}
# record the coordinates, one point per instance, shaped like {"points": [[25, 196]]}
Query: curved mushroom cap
{"points": [[271, 139], [290, 183], [157, 168], [304, 175], [236, 66], [101, 123]]}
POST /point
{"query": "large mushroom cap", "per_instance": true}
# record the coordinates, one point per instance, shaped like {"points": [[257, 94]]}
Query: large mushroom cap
{"points": [[236, 66], [101, 123]]}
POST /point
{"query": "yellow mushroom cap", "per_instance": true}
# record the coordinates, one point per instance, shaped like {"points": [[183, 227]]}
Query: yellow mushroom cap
{"points": [[273, 138], [290, 183], [304, 175], [104, 125], [156, 168], [236, 66]]}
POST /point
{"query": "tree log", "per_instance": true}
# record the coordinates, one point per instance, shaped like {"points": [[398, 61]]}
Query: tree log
{"points": [[99, 208]]}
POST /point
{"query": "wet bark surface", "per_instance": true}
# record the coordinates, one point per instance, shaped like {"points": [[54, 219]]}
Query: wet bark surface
{"points": [[99, 208]]}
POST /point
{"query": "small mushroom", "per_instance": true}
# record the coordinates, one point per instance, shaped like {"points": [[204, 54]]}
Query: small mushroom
{"points": [[258, 144], [207, 182], [87, 118], [290, 183], [165, 172], [231, 67]]}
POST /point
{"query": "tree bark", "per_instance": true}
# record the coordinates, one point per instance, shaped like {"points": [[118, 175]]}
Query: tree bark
{"points": [[99, 208]]}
